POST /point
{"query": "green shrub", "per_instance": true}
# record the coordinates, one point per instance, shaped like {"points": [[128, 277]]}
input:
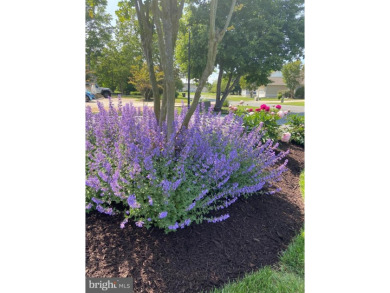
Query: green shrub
{"points": [[135, 93], [265, 115], [225, 103], [296, 124], [284, 94], [300, 93]]}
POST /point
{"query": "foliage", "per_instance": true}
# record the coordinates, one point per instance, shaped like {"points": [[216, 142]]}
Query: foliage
{"points": [[134, 169], [113, 65], [140, 78], [300, 93], [262, 35], [97, 28], [296, 125], [292, 75], [225, 103], [284, 94], [245, 83], [265, 116]]}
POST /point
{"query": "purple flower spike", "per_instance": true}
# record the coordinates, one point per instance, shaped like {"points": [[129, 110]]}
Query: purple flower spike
{"points": [[163, 215], [139, 224], [131, 200]]}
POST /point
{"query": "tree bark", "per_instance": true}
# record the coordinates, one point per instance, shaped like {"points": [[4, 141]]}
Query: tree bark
{"points": [[218, 104], [166, 20], [146, 32]]}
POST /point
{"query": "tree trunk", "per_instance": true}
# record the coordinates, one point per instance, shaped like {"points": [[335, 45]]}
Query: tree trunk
{"points": [[218, 104], [146, 32], [228, 89], [166, 20]]}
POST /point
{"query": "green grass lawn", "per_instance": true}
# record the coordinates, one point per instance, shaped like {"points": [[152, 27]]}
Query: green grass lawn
{"points": [[289, 103], [287, 277]]}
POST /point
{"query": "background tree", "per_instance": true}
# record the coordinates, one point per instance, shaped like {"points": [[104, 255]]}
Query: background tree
{"points": [[292, 75], [98, 29], [114, 63], [141, 80], [262, 35]]}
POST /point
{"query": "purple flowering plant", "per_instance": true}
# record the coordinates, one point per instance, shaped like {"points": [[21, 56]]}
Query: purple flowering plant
{"points": [[133, 169]]}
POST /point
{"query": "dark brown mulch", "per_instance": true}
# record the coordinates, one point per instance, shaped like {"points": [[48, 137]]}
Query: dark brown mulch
{"points": [[200, 257]]}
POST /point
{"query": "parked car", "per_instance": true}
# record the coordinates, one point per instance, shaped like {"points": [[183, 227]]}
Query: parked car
{"points": [[89, 96], [96, 90]]}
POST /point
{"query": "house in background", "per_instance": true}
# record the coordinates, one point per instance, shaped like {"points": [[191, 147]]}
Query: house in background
{"points": [[276, 85], [271, 90], [247, 93]]}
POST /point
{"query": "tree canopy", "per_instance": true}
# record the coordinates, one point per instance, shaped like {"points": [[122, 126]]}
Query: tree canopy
{"points": [[293, 75], [98, 28], [262, 35]]}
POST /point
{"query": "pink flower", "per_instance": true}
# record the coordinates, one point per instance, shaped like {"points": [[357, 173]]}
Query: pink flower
{"points": [[258, 110], [286, 137], [267, 108], [286, 112], [250, 110], [281, 114], [272, 113], [241, 102], [278, 107], [263, 106]]}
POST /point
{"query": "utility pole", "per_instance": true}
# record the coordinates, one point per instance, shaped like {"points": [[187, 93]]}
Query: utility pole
{"points": [[189, 64]]}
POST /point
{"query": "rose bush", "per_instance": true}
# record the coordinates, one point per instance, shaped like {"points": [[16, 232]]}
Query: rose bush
{"points": [[267, 115]]}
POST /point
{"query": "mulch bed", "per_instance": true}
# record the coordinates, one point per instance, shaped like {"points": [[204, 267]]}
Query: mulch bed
{"points": [[200, 257]]}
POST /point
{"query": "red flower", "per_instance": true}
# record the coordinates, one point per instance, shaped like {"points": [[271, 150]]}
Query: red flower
{"points": [[250, 110], [258, 110], [262, 107], [278, 107], [267, 108]]}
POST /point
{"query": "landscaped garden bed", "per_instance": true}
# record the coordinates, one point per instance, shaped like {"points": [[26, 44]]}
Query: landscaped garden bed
{"points": [[204, 256]]}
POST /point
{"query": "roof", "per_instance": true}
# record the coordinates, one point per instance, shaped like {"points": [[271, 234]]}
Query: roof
{"points": [[279, 81], [276, 81]]}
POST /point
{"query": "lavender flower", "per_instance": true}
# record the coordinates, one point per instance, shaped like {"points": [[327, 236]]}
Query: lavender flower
{"points": [[131, 200], [163, 215], [97, 201], [139, 223], [218, 219], [173, 227], [122, 225], [126, 149]]}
